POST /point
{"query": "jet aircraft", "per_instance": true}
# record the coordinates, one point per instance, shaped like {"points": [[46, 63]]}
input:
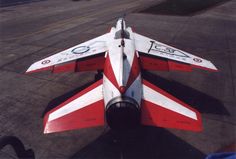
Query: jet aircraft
{"points": [[122, 98]]}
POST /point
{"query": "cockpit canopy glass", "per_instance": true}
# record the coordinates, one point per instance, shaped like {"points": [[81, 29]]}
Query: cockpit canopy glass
{"points": [[118, 34]]}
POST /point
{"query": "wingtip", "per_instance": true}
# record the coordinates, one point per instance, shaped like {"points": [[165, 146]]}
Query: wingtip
{"points": [[28, 71], [45, 123], [211, 69], [45, 131]]}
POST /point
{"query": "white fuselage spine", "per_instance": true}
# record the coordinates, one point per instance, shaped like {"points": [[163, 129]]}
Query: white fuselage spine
{"points": [[121, 59]]}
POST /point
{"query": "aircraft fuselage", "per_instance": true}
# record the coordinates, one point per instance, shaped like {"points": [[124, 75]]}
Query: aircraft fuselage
{"points": [[122, 81]]}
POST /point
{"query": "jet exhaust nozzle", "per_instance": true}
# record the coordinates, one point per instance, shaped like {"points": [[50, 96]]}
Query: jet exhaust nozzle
{"points": [[123, 113]]}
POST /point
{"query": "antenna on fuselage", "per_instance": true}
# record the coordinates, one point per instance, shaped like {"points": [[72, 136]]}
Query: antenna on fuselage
{"points": [[122, 29], [122, 33]]}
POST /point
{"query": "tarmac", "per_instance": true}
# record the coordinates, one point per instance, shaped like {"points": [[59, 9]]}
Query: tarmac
{"points": [[32, 31]]}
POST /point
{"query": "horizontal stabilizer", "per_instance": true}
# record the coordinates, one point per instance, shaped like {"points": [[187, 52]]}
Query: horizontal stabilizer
{"points": [[85, 109], [163, 110]]}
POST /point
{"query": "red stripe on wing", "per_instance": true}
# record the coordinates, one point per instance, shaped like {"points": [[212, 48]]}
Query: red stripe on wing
{"points": [[78, 118], [65, 67], [204, 68], [96, 63], [178, 66], [160, 64], [156, 115], [41, 69], [155, 64], [89, 116]]}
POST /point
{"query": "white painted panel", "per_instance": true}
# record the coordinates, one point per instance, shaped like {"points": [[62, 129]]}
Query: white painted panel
{"points": [[81, 102], [165, 102], [110, 91]]}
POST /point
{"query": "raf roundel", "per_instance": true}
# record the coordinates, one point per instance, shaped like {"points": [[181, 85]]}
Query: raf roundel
{"points": [[197, 60], [45, 62], [80, 49]]}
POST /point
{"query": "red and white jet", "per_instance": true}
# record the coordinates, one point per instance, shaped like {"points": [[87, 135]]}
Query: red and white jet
{"points": [[122, 98]]}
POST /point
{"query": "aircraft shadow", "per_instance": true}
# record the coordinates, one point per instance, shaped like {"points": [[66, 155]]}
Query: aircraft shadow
{"points": [[145, 142], [58, 100], [183, 7], [198, 100]]}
